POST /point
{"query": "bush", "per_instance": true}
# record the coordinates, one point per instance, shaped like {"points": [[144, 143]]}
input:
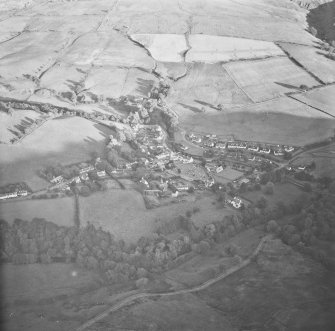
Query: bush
{"points": [[272, 227]]}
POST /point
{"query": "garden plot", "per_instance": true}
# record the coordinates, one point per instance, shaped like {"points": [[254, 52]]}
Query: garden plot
{"points": [[212, 49], [163, 47], [313, 59], [269, 79], [31, 53], [204, 87], [322, 98]]}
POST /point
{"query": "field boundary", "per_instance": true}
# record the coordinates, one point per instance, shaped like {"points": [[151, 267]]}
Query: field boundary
{"points": [[198, 288]]}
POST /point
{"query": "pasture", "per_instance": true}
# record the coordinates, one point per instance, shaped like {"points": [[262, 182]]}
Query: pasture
{"points": [[281, 121], [123, 212], [205, 86], [213, 49], [163, 47], [313, 59], [322, 98], [59, 211], [64, 141], [268, 79]]}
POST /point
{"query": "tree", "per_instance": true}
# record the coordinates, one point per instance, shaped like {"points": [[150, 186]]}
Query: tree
{"points": [[262, 203], [269, 188], [272, 227]]}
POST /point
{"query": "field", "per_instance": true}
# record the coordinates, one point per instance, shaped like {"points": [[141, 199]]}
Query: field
{"points": [[123, 213], [281, 121], [212, 49], [37, 297], [285, 193], [313, 59], [205, 86], [163, 47], [268, 79], [59, 211], [322, 98], [9, 124], [63, 141]]}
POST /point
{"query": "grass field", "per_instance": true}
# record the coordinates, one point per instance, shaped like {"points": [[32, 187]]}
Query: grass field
{"points": [[12, 123], [57, 141], [313, 59], [213, 49], [163, 47], [282, 121], [268, 79], [229, 174], [123, 213], [285, 193], [59, 211], [205, 86], [322, 98]]}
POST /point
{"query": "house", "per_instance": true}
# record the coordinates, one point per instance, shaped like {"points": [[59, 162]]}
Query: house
{"points": [[8, 195], [265, 150], [219, 169], [57, 179], [236, 202], [22, 193], [86, 169], [76, 180], [163, 156], [84, 176], [174, 194], [101, 173], [182, 187], [209, 182], [302, 168], [221, 145], [288, 149], [253, 148], [278, 152], [196, 140], [145, 182], [183, 147]]}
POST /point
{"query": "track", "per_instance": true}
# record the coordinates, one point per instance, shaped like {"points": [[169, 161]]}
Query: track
{"points": [[198, 288]]}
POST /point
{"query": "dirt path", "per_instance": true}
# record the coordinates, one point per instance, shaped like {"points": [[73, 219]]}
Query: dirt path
{"points": [[201, 287]]}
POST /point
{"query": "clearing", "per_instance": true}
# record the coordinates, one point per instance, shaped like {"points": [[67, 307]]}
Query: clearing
{"points": [[212, 49], [269, 79], [65, 141], [60, 211], [322, 98]]}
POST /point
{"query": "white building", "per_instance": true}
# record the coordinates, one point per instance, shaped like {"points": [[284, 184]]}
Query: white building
{"points": [[101, 173], [8, 195]]}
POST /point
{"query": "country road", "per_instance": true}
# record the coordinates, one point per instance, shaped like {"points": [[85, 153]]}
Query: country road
{"points": [[201, 287]]}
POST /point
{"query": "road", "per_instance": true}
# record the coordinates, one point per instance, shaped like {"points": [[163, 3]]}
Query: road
{"points": [[198, 288]]}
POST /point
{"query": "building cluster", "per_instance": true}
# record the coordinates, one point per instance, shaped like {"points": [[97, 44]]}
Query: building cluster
{"points": [[213, 141], [15, 194]]}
